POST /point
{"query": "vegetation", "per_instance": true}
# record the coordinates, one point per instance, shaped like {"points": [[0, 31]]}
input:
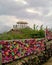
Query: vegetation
{"points": [[24, 33]]}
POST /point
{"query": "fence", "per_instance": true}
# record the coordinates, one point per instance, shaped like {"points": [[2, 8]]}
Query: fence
{"points": [[15, 49]]}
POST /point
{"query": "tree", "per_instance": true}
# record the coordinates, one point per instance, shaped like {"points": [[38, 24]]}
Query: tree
{"points": [[41, 27], [34, 26]]}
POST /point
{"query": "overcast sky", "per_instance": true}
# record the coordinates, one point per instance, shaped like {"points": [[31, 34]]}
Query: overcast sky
{"points": [[33, 11]]}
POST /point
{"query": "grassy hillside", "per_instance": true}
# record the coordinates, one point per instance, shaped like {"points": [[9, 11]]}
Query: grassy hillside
{"points": [[22, 34]]}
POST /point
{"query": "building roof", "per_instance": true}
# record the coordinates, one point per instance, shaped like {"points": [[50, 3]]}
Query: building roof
{"points": [[22, 22]]}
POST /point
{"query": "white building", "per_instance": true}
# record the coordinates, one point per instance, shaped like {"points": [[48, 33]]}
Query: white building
{"points": [[20, 25]]}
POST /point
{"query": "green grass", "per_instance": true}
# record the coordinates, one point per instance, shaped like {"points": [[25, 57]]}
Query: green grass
{"points": [[22, 34]]}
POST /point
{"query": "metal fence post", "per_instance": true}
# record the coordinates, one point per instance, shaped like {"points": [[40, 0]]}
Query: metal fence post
{"points": [[0, 58]]}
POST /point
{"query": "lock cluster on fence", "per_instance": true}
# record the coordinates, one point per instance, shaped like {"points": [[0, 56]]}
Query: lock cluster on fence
{"points": [[16, 49]]}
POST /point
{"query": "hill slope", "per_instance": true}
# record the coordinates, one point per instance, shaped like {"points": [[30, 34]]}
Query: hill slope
{"points": [[22, 34]]}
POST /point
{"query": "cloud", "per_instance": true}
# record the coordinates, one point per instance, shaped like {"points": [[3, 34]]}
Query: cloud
{"points": [[33, 11], [7, 22], [21, 2], [39, 3], [50, 12], [4, 28]]}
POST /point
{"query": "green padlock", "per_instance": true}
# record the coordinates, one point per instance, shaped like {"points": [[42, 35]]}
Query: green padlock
{"points": [[13, 54], [1, 47]]}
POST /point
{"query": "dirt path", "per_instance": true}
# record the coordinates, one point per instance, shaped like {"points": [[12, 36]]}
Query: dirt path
{"points": [[49, 62]]}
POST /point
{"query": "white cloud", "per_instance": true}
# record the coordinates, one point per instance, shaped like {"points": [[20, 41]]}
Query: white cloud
{"points": [[21, 1], [49, 13], [33, 11], [8, 20]]}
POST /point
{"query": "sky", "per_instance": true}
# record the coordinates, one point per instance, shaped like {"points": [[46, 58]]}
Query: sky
{"points": [[33, 11]]}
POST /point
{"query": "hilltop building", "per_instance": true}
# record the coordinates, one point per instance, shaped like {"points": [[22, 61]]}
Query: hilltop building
{"points": [[20, 25]]}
